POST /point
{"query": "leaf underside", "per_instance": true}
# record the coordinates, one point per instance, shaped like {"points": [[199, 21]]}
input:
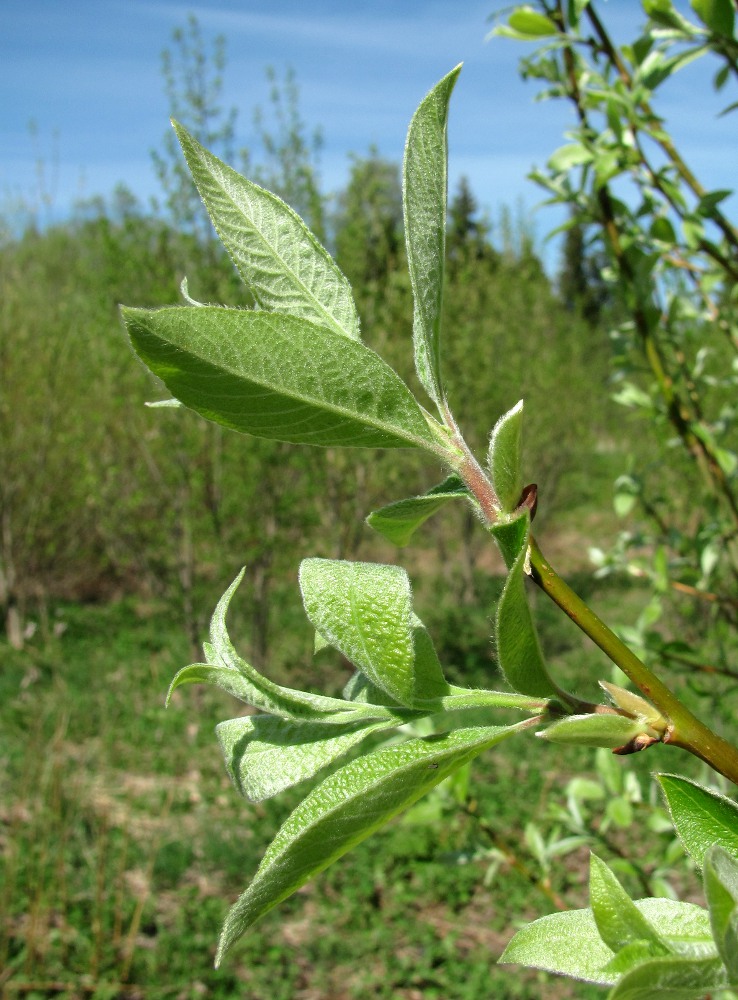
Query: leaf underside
{"points": [[280, 260], [277, 377], [425, 189]]}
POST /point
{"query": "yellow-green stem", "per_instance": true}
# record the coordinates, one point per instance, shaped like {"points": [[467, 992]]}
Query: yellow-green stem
{"points": [[684, 729]]}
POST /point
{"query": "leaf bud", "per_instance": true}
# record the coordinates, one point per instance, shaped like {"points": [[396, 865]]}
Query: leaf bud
{"points": [[597, 730]]}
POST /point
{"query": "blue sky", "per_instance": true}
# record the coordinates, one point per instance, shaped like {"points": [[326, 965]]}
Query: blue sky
{"points": [[88, 72]]}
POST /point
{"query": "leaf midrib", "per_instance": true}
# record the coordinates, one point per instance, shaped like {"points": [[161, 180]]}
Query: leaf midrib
{"points": [[333, 322], [390, 429]]}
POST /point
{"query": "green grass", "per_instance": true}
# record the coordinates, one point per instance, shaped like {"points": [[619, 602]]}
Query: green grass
{"points": [[123, 843]]}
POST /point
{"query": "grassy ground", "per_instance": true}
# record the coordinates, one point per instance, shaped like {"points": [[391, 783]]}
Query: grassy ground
{"points": [[123, 843]]}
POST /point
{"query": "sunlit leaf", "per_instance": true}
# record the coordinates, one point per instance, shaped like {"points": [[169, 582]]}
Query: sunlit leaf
{"points": [[280, 260], [277, 377], [671, 978], [529, 23], [365, 611], [701, 817], [569, 943], [346, 808], [264, 755], [233, 674], [618, 919], [504, 458], [425, 189], [595, 730], [518, 649]]}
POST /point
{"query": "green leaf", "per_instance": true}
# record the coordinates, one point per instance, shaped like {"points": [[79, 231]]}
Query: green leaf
{"points": [[671, 978], [264, 755], [663, 13], [365, 611], [518, 649], [504, 458], [633, 703], [529, 23], [656, 67], [430, 685], [721, 892], [718, 15], [701, 817], [239, 678], [227, 679], [606, 730], [359, 688], [630, 956], [425, 190], [399, 521], [566, 157], [565, 943], [346, 808], [277, 256], [618, 920], [569, 943], [278, 377]]}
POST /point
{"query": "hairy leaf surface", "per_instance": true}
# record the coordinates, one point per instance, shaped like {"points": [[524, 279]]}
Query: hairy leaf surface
{"points": [[425, 190], [345, 809], [278, 377], [233, 674], [365, 611], [504, 458], [618, 919], [399, 521], [721, 891], [569, 943], [280, 260], [701, 817], [671, 978], [265, 755], [518, 649]]}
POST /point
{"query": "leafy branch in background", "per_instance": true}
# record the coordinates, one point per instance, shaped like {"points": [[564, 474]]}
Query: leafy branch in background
{"points": [[296, 370]]}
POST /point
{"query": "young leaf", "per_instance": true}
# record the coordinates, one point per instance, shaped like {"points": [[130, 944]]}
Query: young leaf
{"points": [[634, 704], [529, 23], [430, 684], [345, 809], [518, 649], [399, 521], [425, 189], [365, 611], [278, 377], [633, 954], [701, 817], [360, 688], [718, 15], [264, 755], [230, 672], [277, 256], [547, 942], [504, 458], [618, 919], [671, 978], [721, 892], [227, 679]]}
